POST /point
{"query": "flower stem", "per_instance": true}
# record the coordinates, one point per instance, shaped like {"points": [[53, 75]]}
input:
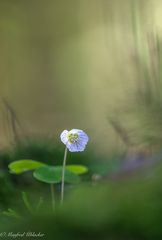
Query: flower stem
{"points": [[53, 196], [63, 175]]}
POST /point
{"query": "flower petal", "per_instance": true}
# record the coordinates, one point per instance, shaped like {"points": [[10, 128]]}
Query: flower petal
{"points": [[63, 136], [75, 147], [81, 146], [72, 147], [83, 137]]}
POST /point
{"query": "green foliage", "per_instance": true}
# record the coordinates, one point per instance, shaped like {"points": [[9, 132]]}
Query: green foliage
{"points": [[39, 204], [26, 202], [21, 166], [6, 189], [40, 149], [45, 151], [48, 151], [11, 213], [47, 174], [24, 208], [127, 209], [50, 174], [78, 169], [30, 207]]}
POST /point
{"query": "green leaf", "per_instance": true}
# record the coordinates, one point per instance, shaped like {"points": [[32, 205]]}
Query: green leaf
{"points": [[77, 169], [71, 177], [21, 166], [47, 174], [11, 213], [50, 174], [26, 202]]}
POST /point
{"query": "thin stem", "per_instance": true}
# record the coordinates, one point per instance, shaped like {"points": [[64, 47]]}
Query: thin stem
{"points": [[63, 175], [53, 196]]}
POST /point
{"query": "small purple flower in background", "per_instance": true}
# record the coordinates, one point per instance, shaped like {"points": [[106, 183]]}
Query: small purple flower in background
{"points": [[75, 140]]}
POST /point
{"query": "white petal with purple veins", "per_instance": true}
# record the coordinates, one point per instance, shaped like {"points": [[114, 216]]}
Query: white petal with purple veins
{"points": [[76, 143]]}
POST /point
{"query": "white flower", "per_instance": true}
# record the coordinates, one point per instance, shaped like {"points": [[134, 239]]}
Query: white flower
{"points": [[75, 140]]}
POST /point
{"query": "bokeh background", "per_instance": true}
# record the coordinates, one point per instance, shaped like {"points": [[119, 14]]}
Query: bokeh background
{"points": [[66, 65], [95, 65]]}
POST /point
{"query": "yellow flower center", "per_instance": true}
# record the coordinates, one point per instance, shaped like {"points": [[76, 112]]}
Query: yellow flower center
{"points": [[72, 137]]}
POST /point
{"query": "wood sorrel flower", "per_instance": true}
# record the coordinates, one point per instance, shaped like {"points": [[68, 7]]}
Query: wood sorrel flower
{"points": [[75, 140]]}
